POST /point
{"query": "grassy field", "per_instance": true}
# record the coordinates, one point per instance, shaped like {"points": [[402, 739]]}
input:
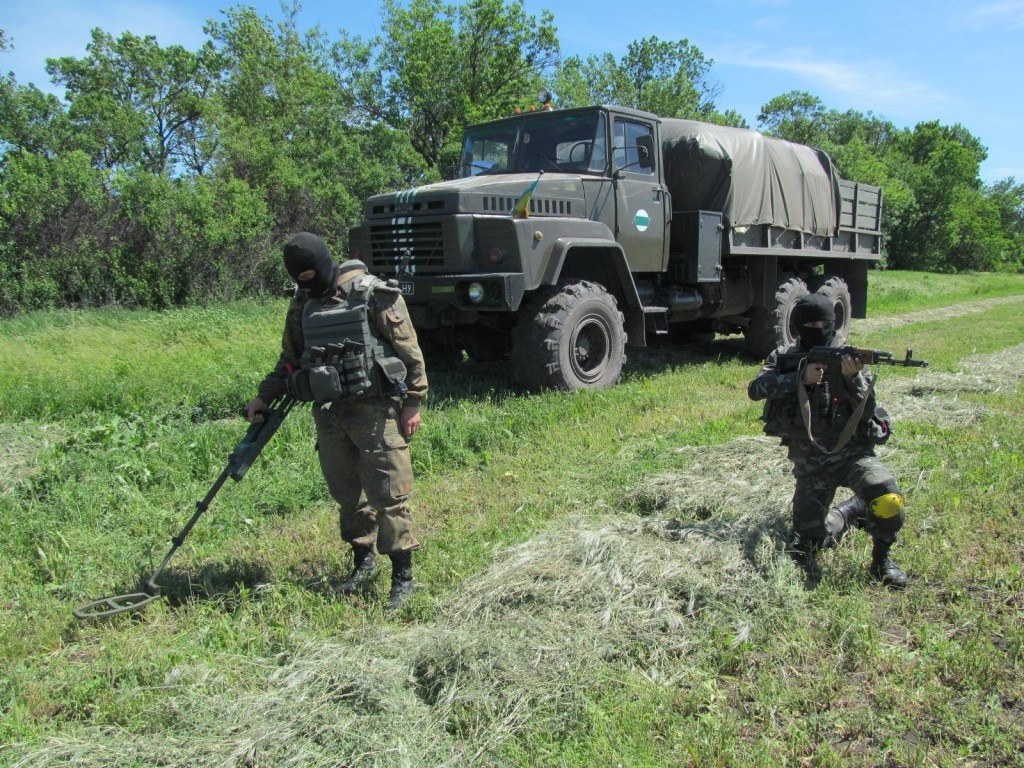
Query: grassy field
{"points": [[602, 579]]}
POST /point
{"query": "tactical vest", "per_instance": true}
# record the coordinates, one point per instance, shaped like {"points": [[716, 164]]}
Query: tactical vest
{"points": [[829, 416], [343, 356], [781, 415]]}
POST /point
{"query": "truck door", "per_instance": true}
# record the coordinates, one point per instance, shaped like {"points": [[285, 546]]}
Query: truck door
{"points": [[642, 201]]}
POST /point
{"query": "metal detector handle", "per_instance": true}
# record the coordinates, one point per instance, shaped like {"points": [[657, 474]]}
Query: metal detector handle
{"points": [[176, 541], [258, 436]]}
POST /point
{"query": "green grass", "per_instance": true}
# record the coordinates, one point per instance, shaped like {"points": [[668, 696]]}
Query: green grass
{"points": [[561, 617], [895, 291]]}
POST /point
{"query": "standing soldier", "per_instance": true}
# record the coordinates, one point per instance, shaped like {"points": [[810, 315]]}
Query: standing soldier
{"points": [[831, 451], [350, 349]]}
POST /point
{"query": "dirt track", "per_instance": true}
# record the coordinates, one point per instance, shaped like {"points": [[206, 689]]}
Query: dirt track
{"points": [[926, 315]]}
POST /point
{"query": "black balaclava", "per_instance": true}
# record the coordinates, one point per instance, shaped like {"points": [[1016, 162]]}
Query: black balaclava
{"points": [[307, 251], [811, 309]]}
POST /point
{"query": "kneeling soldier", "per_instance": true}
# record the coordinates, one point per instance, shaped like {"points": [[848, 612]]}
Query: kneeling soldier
{"points": [[831, 428]]}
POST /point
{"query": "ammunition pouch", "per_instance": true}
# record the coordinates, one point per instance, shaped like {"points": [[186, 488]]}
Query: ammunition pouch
{"points": [[782, 419], [353, 377], [325, 383], [393, 373], [347, 377], [297, 385]]}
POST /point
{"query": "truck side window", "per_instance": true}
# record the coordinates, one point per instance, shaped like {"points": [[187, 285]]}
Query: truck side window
{"points": [[629, 137], [598, 161]]}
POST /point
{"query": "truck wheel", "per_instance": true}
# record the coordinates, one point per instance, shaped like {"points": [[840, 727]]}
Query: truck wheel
{"points": [[768, 328], [836, 289], [569, 337]]}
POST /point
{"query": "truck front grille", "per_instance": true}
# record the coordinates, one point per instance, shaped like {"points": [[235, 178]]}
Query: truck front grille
{"points": [[389, 242]]}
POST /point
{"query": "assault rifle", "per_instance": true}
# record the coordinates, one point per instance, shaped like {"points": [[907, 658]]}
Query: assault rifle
{"points": [[832, 358], [790, 361], [239, 462]]}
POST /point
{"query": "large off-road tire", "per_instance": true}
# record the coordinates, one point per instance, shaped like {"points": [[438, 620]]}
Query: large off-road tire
{"points": [[836, 290], [770, 328], [571, 336]]}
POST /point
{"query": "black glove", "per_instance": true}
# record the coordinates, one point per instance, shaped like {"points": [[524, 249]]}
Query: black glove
{"points": [[878, 429]]}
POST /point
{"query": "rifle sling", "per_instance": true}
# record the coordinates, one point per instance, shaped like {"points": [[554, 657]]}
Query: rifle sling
{"points": [[805, 413]]}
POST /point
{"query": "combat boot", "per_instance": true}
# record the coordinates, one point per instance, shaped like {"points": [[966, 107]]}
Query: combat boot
{"points": [[852, 513], [364, 568], [401, 580], [805, 557], [884, 569]]}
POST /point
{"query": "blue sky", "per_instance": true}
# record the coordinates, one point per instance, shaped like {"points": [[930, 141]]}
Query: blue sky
{"points": [[904, 60]]}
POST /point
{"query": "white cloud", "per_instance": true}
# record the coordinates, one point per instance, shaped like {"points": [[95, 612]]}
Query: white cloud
{"points": [[994, 174], [878, 86], [1006, 13]]}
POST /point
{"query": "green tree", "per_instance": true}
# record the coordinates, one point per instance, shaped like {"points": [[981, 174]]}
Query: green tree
{"points": [[280, 113], [31, 120], [797, 116], [1008, 198], [436, 67], [670, 79], [940, 165], [138, 105], [291, 132], [54, 224]]}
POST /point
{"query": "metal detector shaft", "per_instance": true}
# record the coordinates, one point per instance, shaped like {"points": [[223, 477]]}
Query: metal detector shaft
{"points": [[239, 462], [176, 541]]}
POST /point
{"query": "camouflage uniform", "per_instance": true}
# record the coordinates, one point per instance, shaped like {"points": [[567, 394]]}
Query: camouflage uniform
{"points": [[350, 348], [363, 454], [818, 475], [830, 434]]}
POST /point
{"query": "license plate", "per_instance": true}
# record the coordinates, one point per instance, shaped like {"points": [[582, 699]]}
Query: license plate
{"points": [[407, 288]]}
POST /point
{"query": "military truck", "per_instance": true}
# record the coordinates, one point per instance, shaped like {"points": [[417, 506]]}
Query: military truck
{"points": [[569, 235]]}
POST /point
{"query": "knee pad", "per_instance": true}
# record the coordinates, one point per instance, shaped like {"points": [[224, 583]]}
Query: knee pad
{"points": [[886, 506], [886, 516]]}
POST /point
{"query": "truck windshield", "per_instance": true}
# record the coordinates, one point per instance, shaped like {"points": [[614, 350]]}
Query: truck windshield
{"points": [[552, 141]]}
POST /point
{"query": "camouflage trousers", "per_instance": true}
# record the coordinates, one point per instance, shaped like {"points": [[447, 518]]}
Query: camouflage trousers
{"points": [[819, 476], [365, 460]]}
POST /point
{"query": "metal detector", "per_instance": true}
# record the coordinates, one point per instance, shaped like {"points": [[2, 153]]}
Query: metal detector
{"points": [[245, 453]]}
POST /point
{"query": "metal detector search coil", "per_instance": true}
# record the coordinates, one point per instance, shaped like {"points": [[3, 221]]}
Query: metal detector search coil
{"points": [[112, 606]]}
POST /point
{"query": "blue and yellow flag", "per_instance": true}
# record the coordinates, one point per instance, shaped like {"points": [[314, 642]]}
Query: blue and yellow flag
{"points": [[522, 206]]}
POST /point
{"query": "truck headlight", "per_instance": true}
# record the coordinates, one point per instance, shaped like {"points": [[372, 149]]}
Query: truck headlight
{"points": [[475, 292]]}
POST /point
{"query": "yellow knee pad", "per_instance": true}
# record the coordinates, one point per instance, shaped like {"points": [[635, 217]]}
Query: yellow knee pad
{"points": [[886, 506]]}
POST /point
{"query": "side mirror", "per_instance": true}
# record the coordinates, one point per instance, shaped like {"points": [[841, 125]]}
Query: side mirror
{"points": [[644, 148], [645, 151]]}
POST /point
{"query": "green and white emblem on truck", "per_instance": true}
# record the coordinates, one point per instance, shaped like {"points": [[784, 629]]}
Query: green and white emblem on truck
{"points": [[642, 220]]}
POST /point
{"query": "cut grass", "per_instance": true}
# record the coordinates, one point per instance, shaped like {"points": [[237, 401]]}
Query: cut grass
{"points": [[602, 580]]}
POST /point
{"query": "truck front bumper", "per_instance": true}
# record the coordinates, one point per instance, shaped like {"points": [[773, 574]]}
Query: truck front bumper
{"points": [[487, 292]]}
